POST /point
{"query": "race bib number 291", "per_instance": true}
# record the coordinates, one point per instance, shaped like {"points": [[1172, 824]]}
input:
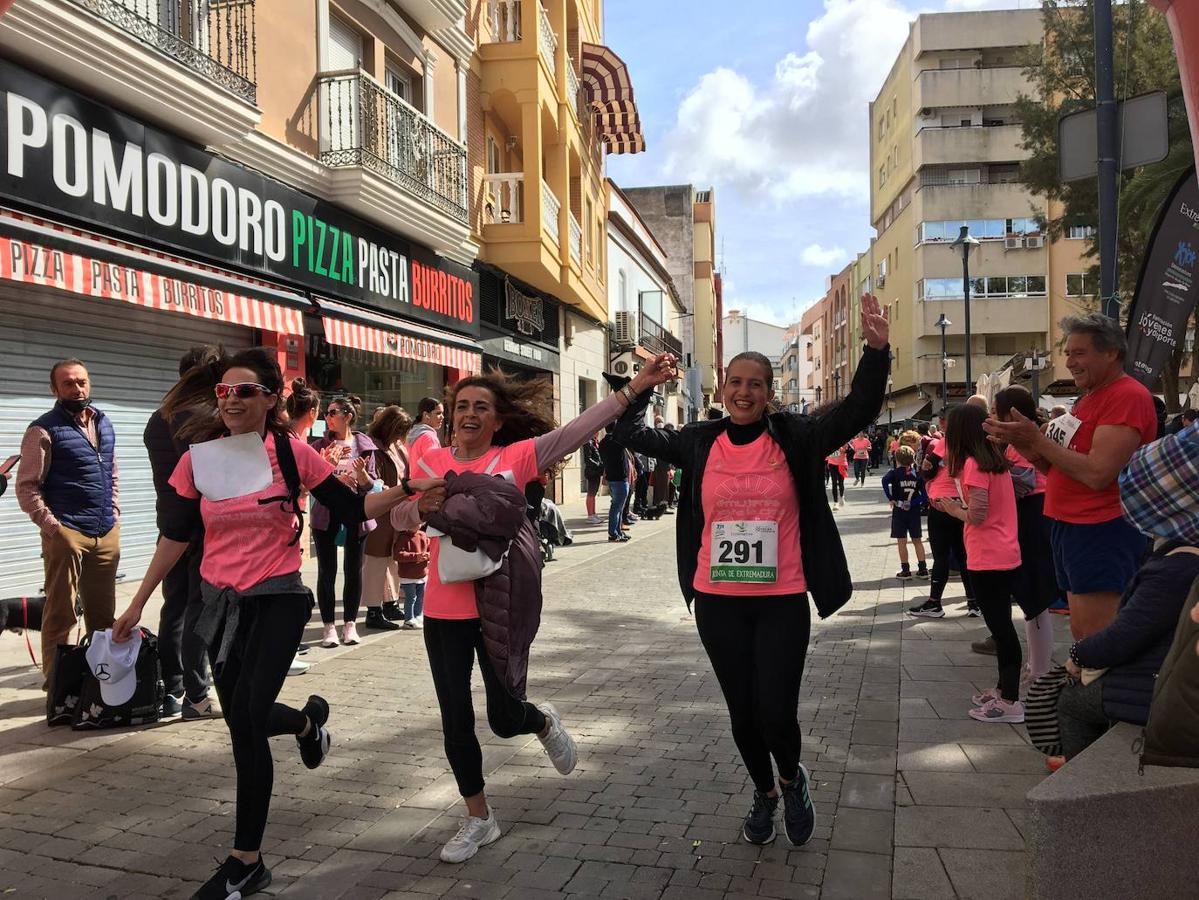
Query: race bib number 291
{"points": [[745, 552]]}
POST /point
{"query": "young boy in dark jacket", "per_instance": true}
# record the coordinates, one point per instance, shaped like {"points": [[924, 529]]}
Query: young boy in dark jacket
{"points": [[904, 488]]}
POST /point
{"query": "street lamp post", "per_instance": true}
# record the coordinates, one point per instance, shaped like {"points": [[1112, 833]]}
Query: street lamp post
{"points": [[964, 244], [944, 323], [837, 385]]}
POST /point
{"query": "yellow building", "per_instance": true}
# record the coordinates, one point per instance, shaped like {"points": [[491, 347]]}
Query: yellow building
{"points": [[945, 153], [861, 281]]}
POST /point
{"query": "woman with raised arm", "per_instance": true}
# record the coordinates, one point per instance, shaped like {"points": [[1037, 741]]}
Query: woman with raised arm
{"points": [[500, 427], [255, 605], [755, 538]]}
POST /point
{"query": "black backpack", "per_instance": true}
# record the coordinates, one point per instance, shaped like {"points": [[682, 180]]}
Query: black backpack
{"points": [[291, 478], [66, 682], [143, 708]]}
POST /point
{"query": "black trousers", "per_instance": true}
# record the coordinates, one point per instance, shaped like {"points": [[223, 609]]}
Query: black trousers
{"points": [[1036, 579], [641, 492], [993, 594], [946, 537], [326, 574], [757, 646], [859, 470], [453, 646], [248, 684], [837, 480], [181, 650]]}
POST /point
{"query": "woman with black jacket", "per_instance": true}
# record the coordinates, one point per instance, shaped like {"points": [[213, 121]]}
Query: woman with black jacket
{"points": [[756, 536]]}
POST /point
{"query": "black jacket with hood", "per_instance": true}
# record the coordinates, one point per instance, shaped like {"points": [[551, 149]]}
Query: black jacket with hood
{"points": [[805, 442]]}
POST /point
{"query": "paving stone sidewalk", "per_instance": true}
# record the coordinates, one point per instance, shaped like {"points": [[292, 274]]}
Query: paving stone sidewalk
{"points": [[913, 799]]}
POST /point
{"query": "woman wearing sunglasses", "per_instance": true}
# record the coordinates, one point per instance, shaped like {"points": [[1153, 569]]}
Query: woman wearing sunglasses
{"points": [[255, 605], [343, 447]]}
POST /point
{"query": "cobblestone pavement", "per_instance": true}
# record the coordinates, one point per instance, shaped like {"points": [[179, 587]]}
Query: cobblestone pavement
{"points": [[913, 799]]}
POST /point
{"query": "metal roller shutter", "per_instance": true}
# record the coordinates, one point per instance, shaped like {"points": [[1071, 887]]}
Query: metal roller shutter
{"points": [[132, 355]]}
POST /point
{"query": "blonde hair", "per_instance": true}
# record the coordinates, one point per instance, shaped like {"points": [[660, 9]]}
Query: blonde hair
{"points": [[905, 455], [910, 439]]}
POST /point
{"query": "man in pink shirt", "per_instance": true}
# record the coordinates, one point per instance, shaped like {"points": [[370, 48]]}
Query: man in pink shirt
{"points": [[68, 485]]}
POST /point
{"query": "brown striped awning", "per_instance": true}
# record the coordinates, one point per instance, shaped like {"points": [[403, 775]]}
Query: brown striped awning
{"points": [[610, 97]]}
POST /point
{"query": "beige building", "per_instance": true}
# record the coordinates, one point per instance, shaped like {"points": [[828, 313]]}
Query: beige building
{"points": [[945, 153]]}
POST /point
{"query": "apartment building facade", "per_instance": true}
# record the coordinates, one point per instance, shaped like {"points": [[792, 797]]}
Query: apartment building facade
{"points": [[249, 173], [945, 153]]}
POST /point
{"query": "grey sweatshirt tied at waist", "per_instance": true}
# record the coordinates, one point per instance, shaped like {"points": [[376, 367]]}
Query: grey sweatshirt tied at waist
{"points": [[223, 605]]}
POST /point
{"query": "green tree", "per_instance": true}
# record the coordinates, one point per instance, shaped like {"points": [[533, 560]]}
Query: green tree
{"points": [[1062, 70]]}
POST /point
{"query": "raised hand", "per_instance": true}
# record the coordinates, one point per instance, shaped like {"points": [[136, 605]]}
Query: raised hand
{"points": [[876, 329], [662, 368]]}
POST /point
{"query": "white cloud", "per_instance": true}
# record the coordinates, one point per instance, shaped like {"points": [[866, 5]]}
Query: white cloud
{"points": [[823, 257], [805, 133]]}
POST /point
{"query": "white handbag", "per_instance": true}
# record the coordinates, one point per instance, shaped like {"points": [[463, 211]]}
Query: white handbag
{"points": [[455, 564]]}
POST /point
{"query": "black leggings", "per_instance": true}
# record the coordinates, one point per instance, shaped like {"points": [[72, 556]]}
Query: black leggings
{"points": [[757, 647], [838, 480], [859, 471], [993, 593], [945, 535], [248, 683], [1036, 580], [453, 645], [326, 574]]}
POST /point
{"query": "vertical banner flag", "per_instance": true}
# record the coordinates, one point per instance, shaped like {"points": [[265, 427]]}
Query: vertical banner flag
{"points": [[1166, 289]]}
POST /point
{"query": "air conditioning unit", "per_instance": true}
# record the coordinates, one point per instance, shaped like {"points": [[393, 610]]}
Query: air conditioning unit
{"points": [[1034, 242], [1012, 242], [624, 328]]}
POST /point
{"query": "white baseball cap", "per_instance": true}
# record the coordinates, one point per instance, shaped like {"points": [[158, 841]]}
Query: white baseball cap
{"points": [[114, 665]]}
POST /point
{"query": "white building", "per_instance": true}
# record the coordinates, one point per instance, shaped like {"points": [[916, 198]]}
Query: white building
{"points": [[644, 307], [741, 333]]}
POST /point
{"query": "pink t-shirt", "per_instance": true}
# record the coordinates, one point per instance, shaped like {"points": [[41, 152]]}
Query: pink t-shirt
{"points": [[840, 459], [246, 542], [861, 448], [517, 463], [1017, 460], [750, 543], [993, 545], [940, 485]]}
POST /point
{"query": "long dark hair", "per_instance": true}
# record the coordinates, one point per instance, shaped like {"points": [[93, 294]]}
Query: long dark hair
{"points": [[426, 405], [390, 426], [523, 406], [302, 400], [965, 439], [1017, 397], [195, 393]]}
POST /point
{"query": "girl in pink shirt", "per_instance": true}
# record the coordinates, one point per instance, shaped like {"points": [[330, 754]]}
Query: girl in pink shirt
{"points": [[992, 548], [255, 604]]}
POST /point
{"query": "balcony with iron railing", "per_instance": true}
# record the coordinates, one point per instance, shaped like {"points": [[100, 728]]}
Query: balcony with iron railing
{"points": [[657, 339], [214, 38], [365, 125]]}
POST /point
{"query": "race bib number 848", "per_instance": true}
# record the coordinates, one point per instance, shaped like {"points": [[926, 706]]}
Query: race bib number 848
{"points": [[745, 552]]}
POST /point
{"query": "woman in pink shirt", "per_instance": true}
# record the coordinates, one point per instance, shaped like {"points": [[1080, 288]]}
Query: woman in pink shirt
{"points": [[255, 605], [500, 427], [992, 549], [756, 538]]}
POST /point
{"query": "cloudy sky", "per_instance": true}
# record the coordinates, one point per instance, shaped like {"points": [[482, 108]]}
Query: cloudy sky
{"points": [[766, 100]]}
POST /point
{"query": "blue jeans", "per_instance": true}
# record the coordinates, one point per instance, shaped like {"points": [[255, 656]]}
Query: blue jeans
{"points": [[414, 600], [620, 495]]}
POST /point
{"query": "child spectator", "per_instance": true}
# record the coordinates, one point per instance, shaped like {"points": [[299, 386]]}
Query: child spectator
{"points": [[905, 489], [412, 556]]}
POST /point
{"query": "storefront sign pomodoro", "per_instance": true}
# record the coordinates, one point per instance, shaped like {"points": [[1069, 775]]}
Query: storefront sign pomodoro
{"points": [[69, 155]]}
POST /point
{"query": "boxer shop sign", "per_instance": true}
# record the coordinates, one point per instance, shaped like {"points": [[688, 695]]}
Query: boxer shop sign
{"points": [[70, 156]]}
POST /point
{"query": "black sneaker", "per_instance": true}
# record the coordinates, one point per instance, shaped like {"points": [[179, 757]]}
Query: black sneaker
{"points": [[392, 611], [922, 572], [929, 609], [759, 824], [377, 621], [314, 746], [973, 610], [234, 880], [905, 572], [172, 706], [799, 815]]}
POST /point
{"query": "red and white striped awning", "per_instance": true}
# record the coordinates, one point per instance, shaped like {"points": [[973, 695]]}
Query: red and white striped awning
{"points": [[175, 284], [610, 97], [359, 329]]}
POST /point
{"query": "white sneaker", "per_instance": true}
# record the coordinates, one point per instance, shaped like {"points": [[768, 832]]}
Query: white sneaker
{"points": [[297, 667], [473, 834], [330, 639], [842, 503], [420, 621], [558, 744], [349, 633], [409, 624]]}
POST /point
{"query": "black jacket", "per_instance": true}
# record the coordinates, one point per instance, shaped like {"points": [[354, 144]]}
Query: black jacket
{"points": [[165, 450], [616, 463], [593, 463], [805, 442], [1134, 645]]}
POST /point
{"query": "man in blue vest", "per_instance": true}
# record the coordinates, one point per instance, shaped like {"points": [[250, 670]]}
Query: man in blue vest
{"points": [[67, 483]]}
